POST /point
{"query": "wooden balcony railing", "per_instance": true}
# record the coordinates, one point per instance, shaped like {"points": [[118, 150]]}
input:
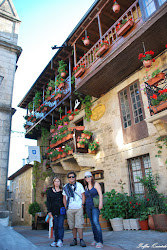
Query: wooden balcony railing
{"points": [[111, 36]]}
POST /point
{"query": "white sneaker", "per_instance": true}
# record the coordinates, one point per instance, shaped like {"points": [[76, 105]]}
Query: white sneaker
{"points": [[99, 245], [53, 244], [59, 243], [93, 243]]}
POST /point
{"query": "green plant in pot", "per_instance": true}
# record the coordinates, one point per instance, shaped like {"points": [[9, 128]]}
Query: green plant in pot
{"points": [[37, 99], [33, 209], [62, 68]]}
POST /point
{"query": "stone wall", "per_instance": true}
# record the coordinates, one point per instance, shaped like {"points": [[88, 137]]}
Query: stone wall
{"points": [[113, 153], [22, 194], [9, 53]]}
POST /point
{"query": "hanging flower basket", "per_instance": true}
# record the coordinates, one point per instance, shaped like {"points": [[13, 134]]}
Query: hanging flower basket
{"points": [[161, 106], [116, 7], [63, 74], [86, 40], [58, 96], [122, 30], [50, 88], [147, 64], [79, 72], [156, 79], [71, 117], [146, 58], [52, 130], [103, 48]]}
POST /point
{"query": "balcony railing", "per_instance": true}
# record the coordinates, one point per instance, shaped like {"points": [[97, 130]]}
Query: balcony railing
{"points": [[154, 91], [111, 36]]}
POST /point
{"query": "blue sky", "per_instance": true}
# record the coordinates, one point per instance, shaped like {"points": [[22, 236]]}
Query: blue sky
{"points": [[43, 24]]}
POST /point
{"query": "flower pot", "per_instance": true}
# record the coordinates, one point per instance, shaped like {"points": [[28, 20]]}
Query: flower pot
{"points": [[80, 127], [80, 145], [48, 98], [116, 8], [159, 77], [44, 109], [50, 88], [79, 72], [69, 136], [134, 224], [33, 120], [71, 117], [57, 97], [91, 152], [29, 118], [54, 158], [143, 224], [151, 222], [86, 42], [52, 130], [125, 28], [147, 64], [126, 224], [160, 222], [61, 85], [101, 50], [63, 74], [65, 123], [162, 105], [117, 224], [70, 152], [63, 155]]}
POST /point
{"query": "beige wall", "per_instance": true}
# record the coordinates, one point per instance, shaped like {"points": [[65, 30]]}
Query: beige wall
{"points": [[22, 193], [113, 153]]}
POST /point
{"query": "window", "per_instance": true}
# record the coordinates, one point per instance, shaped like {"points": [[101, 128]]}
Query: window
{"points": [[18, 208], [132, 114], [148, 7], [22, 211], [138, 167]]}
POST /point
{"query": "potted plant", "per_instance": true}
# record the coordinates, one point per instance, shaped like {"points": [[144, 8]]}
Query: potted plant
{"points": [[79, 70], [33, 209], [62, 69], [143, 220], [92, 147], [156, 201], [146, 58], [43, 107], [86, 134], [86, 40], [82, 142], [116, 7], [103, 47], [156, 77], [51, 85], [114, 209], [124, 26], [57, 94], [30, 106], [37, 99], [52, 128], [47, 95], [68, 149], [159, 101]]}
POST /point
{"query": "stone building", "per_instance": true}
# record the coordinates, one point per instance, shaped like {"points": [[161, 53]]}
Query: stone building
{"points": [[124, 121], [9, 54], [21, 188]]}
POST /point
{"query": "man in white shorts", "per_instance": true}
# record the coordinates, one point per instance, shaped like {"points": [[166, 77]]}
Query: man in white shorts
{"points": [[74, 200]]}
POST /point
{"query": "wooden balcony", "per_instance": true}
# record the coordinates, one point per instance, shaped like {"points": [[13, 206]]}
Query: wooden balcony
{"points": [[121, 59]]}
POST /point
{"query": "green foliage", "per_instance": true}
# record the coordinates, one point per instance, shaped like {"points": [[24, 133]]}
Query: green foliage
{"points": [[62, 66], [34, 208], [156, 200], [160, 142], [44, 137], [72, 79], [51, 83], [87, 132], [86, 101], [67, 148], [30, 106], [155, 72], [37, 99], [93, 145]]}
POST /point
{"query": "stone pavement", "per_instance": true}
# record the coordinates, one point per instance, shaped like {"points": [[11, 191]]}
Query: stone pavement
{"points": [[23, 238]]}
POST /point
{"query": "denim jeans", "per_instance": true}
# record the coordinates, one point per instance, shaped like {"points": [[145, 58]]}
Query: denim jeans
{"points": [[93, 214], [59, 227]]}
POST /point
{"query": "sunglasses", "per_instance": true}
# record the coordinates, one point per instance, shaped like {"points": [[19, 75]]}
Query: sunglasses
{"points": [[88, 176], [69, 177]]}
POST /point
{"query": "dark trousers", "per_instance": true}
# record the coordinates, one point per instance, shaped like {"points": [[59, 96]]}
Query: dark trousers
{"points": [[58, 227]]}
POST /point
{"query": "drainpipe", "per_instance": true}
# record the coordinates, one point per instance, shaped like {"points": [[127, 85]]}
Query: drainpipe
{"points": [[99, 24]]}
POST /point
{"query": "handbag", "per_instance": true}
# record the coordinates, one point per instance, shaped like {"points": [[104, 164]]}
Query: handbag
{"points": [[96, 200], [62, 211]]}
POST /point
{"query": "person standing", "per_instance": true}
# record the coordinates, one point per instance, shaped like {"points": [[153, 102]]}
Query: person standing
{"points": [[93, 189], [74, 200], [54, 205]]}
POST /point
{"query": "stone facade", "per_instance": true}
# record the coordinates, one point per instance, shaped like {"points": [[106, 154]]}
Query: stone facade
{"points": [[9, 53], [22, 196]]}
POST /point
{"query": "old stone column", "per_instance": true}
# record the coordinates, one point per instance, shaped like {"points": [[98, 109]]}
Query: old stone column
{"points": [[9, 54]]}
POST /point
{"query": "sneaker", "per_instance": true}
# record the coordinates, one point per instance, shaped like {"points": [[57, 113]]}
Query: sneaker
{"points": [[99, 245], [82, 243], [73, 243], [54, 244], [59, 243], [93, 243]]}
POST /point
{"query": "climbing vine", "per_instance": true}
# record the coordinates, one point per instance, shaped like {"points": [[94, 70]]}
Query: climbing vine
{"points": [[160, 142], [86, 101]]}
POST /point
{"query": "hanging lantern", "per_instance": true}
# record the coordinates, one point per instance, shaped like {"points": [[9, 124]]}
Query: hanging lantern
{"points": [[116, 7]]}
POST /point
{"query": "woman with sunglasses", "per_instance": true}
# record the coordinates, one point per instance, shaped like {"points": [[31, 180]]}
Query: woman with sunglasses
{"points": [[92, 189], [54, 205]]}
